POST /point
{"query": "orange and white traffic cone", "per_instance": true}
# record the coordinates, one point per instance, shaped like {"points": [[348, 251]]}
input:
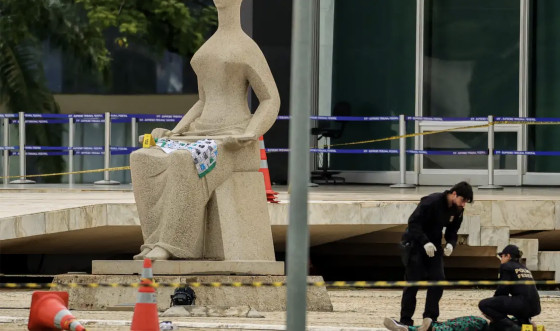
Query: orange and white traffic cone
{"points": [[270, 194], [145, 316], [49, 312]]}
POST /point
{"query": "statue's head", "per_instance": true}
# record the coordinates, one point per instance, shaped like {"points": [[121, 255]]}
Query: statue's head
{"points": [[227, 3]]}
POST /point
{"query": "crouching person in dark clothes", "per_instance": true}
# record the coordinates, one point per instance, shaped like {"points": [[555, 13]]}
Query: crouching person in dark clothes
{"points": [[422, 250], [520, 301]]}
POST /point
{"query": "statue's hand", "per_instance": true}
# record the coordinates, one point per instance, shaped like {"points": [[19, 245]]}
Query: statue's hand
{"points": [[161, 133], [238, 142]]}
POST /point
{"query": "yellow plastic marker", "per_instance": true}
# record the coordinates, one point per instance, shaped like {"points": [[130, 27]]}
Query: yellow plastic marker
{"points": [[540, 328], [526, 327], [148, 141]]}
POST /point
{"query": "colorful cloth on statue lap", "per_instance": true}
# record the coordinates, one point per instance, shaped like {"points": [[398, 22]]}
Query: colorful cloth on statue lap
{"points": [[204, 152]]}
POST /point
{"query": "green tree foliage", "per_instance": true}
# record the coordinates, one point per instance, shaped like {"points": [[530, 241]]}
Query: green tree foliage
{"points": [[77, 27], [164, 25]]}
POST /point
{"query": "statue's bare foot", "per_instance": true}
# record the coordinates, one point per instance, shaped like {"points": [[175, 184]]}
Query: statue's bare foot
{"points": [[158, 253], [142, 254]]}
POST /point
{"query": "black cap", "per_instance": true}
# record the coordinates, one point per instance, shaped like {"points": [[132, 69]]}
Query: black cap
{"points": [[511, 250]]}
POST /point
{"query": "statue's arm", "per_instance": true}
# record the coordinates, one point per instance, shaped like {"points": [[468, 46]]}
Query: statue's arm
{"points": [[262, 82], [191, 114]]}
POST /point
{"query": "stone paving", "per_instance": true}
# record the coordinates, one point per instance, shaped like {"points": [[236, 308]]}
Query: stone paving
{"points": [[354, 310]]}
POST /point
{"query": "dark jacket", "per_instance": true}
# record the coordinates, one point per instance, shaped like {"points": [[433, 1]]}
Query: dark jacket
{"points": [[527, 293], [428, 220]]}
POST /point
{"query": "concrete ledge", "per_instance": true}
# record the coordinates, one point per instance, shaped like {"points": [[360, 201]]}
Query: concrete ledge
{"points": [[264, 298], [181, 267]]}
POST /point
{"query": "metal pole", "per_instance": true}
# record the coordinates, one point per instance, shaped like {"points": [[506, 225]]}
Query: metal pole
{"points": [[416, 156], [134, 132], [300, 104], [419, 84], [402, 155], [524, 50], [491, 157], [6, 153], [107, 156], [71, 130], [22, 179]]}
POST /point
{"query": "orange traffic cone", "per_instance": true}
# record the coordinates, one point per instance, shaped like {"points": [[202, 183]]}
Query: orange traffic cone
{"points": [[270, 194], [48, 313], [145, 316]]}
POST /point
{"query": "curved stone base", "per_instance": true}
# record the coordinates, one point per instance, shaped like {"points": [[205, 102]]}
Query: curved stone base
{"points": [[265, 298]]}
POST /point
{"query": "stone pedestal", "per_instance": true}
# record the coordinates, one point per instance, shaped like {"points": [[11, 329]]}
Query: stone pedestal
{"points": [[265, 298], [182, 267]]}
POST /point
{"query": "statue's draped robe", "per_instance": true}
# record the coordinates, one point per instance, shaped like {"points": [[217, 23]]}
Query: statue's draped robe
{"points": [[170, 197]]}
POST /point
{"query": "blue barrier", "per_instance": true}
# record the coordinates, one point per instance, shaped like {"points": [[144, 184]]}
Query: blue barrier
{"points": [[337, 151], [46, 148], [40, 153], [354, 151], [89, 120], [444, 119], [174, 118], [118, 150], [527, 119], [98, 150], [530, 153], [41, 121], [107, 119], [77, 150], [412, 151], [379, 151], [347, 118], [47, 115]]}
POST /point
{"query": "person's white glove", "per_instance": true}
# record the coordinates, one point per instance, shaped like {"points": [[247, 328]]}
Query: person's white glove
{"points": [[448, 249], [430, 249]]}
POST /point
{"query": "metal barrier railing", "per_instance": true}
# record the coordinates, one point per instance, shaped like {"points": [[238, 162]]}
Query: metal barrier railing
{"points": [[21, 119], [23, 150]]}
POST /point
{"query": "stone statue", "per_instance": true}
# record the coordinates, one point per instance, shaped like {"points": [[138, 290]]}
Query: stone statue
{"points": [[170, 197]]}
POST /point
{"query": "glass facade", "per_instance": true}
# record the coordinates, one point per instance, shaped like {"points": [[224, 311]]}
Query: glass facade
{"points": [[373, 70], [471, 63], [134, 70], [471, 69], [471, 55], [544, 83]]}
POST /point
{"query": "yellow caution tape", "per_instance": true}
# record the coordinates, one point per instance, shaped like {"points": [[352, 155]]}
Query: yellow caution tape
{"points": [[71, 172], [410, 135], [334, 284]]}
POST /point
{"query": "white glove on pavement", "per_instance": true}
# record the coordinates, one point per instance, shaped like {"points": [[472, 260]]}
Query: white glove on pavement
{"points": [[448, 249], [430, 249]]}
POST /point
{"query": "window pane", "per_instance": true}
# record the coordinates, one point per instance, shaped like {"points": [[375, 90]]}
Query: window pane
{"points": [[469, 141], [544, 84], [471, 58], [374, 71]]}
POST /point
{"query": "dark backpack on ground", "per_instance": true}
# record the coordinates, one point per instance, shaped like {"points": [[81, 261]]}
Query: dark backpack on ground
{"points": [[183, 296]]}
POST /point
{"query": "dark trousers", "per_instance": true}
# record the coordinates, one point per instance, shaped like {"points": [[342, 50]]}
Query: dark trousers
{"points": [[418, 266], [498, 308]]}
